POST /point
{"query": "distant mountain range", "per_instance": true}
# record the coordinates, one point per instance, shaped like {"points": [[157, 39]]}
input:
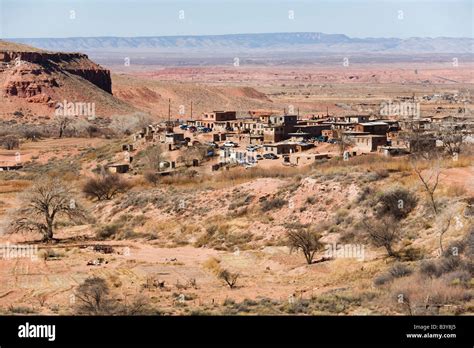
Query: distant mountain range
{"points": [[274, 42]]}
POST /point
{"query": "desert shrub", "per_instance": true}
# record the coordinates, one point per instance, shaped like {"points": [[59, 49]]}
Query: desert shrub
{"points": [[397, 202], [340, 216], [93, 296], [415, 296], [108, 231], [230, 278], [152, 177], [272, 204], [455, 248], [458, 278], [411, 254], [449, 264], [336, 303], [105, 187], [364, 194], [213, 265], [220, 237], [50, 254], [229, 302], [382, 173], [469, 242], [92, 131], [240, 201], [399, 270], [21, 310], [383, 279], [429, 268], [32, 134]]}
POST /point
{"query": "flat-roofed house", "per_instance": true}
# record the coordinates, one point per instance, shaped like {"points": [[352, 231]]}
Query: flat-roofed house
{"points": [[366, 143], [273, 133], [375, 128]]}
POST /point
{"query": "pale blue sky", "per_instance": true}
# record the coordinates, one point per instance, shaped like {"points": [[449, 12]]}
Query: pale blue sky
{"points": [[355, 18]]}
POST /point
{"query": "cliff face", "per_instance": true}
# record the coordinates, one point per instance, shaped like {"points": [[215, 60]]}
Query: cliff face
{"points": [[34, 82], [24, 66]]}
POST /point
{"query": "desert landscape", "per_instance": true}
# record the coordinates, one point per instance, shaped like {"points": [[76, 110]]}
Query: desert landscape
{"points": [[251, 181]]}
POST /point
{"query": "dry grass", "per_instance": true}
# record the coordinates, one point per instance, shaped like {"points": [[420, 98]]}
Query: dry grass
{"points": [[13, 186], [213, 265], [421, 296]]}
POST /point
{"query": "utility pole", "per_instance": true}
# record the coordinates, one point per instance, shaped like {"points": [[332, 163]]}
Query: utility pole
{"points": [[169, 111], [191, 109], [170, 128]]}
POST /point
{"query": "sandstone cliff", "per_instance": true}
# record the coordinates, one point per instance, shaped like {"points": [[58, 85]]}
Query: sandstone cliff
{"points": [[37, 80]]}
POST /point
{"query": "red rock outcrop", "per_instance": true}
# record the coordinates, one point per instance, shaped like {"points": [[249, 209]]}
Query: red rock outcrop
{"points": [[45, 62]]}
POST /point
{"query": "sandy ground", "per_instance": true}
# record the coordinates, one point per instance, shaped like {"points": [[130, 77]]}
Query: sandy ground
{"points": [[43, 150]]}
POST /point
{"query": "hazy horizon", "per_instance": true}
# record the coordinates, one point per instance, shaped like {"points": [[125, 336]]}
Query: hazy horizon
{"points": [[236, 34]]}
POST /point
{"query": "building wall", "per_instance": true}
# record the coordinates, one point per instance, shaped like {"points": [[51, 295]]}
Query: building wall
{"points": [[273, 134], [367, 144], [220, 116], [372, 129]]}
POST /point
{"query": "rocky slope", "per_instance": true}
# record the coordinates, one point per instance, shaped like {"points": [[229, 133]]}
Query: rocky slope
{"points": [[37, 80]]}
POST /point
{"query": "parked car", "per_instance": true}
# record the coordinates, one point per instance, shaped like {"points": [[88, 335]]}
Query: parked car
{"points": [[206, 130], [259, 157], [251, 148], [183, 126], [270, 155], [230, 144], [192, 129]]}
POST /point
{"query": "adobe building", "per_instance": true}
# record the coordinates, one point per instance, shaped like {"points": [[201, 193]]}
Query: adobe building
{"points": [[314, 130], [273, 133], [366, 143], [376, 128]]}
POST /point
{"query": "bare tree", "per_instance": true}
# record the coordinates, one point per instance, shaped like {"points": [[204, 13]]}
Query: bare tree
{"points": [[429, 179], [383, 232], [63, 122], [443, 231], [153, 156], [44, 202], [10, 142], [304, 239], [126, 124]]}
